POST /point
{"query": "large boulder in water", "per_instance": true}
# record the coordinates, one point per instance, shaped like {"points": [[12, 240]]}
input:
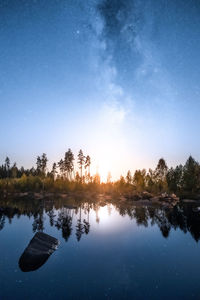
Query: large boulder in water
{"points": [[37, 252]]}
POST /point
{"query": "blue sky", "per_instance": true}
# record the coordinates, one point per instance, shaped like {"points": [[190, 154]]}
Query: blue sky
{"points": [[119, 79]]}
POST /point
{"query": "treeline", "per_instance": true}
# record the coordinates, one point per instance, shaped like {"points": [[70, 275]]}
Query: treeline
{"points": [[66, 175], [183, 180], [64, 169]]}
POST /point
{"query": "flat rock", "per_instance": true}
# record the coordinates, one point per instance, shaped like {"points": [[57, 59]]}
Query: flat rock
{"points": [[37, 252]]}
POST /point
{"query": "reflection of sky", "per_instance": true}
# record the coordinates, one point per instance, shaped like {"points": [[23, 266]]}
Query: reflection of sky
{"points": [[107, 221], [119, 79]]}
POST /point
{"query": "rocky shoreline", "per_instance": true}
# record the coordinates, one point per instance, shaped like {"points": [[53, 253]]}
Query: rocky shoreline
{"points": [[143, 198]]}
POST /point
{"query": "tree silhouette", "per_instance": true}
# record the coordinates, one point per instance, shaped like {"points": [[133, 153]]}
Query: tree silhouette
{"points": [[191, 176], [54, 171], [7, 165], [129, 177], [160, 175], [139, 179], [174, 178], [87, 166], [81, 161], [161, 170], [44, 164], [69, 163], [61, 167], [38, 165]]}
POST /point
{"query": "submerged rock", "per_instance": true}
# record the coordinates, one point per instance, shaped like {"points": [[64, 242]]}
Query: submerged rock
{"points": [[37, 252]]}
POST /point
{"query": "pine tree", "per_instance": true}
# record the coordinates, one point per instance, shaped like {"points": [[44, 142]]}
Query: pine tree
{"points": [[81, 161]]}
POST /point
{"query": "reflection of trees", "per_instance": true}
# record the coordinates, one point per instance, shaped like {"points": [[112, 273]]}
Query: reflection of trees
{"points": [[64, 222], [163, 223], [79, 227], [87, 222], [38, 223], [61, 216], [96, 209], [182, 217], [141, 216], [51, 216], [2, 221]]}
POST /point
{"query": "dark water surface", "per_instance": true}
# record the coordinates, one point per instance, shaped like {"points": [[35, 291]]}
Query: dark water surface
{"points": [[106, 251]]}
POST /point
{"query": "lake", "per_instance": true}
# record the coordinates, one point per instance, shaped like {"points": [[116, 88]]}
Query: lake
{"points": [[107, 250]]}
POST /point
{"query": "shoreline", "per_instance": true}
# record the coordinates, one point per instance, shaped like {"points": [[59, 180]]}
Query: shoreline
{"points": [[164, 200]]}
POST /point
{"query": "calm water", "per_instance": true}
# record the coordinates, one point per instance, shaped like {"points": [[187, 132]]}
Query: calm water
{"points": [[106, 251]]}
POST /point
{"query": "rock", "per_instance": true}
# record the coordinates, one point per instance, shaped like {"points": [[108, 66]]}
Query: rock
{"points": [[63, 195], [37, 252], [164, 195], [146, 195], [173, 196]]}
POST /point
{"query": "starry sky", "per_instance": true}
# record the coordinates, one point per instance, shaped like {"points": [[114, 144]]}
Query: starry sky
{"points": [[119, 79]]}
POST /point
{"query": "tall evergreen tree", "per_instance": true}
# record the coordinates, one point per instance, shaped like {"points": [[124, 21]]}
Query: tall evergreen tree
{"points": [[54, 171], [38, 165], [44, 164], [191, 176], [129, 177], [174, 179], [161, 170], [139, 179], [7, 166], [160, 175], [81, 161], [69, 163], [61, 167], [14, 170], [88, 163], [87, 167]]}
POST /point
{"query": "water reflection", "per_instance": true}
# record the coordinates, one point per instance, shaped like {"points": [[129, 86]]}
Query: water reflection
{"points": [[68, 217], [64, 222]]}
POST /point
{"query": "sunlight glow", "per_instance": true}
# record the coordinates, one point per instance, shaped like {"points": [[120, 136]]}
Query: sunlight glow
{"points": [[109, 144]]}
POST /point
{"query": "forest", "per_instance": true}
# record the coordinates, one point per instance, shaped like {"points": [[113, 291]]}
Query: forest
{"points": [[69, 176]]}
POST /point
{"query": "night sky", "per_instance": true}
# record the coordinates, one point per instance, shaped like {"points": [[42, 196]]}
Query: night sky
{"points": [[119, 79]]}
